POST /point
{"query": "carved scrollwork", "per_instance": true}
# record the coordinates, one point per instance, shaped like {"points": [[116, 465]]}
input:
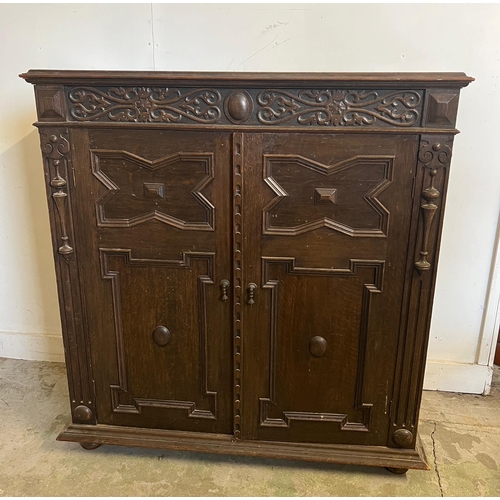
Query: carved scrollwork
{"points": [[56, 146], [317, 107], [144, 104], [340, 107], [434, 155]]}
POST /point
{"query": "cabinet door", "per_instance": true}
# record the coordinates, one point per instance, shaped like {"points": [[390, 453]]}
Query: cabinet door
{"points": [[154, 245], [325, 235]]}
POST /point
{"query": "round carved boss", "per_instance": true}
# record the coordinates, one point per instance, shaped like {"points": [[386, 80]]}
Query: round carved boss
{"points": [[238, 106], [161, 335], [403, 438], [82, 413], [317, 346]]}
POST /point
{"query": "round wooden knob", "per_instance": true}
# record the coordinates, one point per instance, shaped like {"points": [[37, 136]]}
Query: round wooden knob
{"points": [[317, 346], [403, 438], [82, 413], [161, 335]]}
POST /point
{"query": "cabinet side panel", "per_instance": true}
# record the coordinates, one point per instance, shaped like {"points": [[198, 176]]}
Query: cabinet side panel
{"points": [[57, 150], [431, 181]]}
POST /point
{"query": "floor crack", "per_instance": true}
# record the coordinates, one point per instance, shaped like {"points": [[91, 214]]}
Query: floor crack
{"points": [[435, 459]]}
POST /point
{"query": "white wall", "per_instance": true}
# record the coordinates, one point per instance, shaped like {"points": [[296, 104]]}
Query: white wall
{"points": [[259, 37]]}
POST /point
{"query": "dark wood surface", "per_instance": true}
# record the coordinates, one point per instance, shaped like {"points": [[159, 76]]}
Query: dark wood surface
{"points": [[248, 267], [330, 271], [155, 258]]}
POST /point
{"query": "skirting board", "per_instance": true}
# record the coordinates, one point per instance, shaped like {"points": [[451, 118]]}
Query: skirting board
{"points": [[377, 456], [439, 375], [457, 377], [32, 346]]}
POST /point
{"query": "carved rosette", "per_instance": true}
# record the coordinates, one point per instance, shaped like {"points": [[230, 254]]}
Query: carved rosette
{"points": [[144, 104], [432, 157], [340, 107], [55, 147]]}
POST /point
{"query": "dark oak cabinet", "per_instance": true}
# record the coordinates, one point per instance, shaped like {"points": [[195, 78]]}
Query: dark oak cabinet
{"points": [[246, 261]]}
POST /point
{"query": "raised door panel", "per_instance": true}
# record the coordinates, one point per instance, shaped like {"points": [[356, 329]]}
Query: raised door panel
{"points": [[153, 221], [325, 235]]}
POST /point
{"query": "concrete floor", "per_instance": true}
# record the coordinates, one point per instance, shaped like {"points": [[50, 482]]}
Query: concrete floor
{"points": [[461, 435]]}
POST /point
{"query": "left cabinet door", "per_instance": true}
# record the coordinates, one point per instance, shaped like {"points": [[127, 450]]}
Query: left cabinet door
{"points": [[151, 214]]}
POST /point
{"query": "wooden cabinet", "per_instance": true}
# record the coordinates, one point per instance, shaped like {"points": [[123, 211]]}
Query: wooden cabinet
{"points": [[246, 262]]}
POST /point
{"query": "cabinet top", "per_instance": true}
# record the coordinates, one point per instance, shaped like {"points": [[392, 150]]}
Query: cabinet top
{"points": [[385, 102], [379, 80]]}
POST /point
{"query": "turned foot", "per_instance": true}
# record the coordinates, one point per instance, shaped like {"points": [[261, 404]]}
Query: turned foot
{"points": [[90, 446], [397, 470]]}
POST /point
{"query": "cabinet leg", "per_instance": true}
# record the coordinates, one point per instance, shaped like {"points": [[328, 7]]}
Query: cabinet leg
{"points": [[90, 446], [397, 470]]}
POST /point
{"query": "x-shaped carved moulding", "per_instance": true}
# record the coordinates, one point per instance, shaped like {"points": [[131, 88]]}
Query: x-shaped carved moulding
{"points": [[341, 196], [168, 189]]}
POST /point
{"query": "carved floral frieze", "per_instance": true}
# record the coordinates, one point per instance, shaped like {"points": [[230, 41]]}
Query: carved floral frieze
{"points": [[144, 104], [296, 107], [339, 107]]}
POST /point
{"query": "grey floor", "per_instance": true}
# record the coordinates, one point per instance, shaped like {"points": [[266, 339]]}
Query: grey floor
{"points": [[461, 436]]}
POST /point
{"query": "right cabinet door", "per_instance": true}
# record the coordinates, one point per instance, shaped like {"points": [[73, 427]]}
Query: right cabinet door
{"points": [[325, 234]]}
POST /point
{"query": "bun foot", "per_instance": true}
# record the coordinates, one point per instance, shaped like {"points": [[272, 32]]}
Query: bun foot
{"points": [[90, 446], [397, 470]]}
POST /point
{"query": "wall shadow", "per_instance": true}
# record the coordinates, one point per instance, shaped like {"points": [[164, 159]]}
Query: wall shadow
{"points": [[30, 287]]}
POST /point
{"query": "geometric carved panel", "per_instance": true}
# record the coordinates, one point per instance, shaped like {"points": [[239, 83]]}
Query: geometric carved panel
{"points": [[168, 189], [341, 196], [122, 399], [364, 276]]}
